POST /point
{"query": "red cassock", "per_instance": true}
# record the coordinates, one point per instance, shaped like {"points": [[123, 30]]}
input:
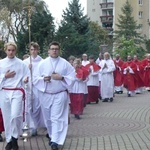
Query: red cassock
{"points": [[129, 80], [118, 73], [139, 73], [77, 103], [1, 122], [146, 64]]}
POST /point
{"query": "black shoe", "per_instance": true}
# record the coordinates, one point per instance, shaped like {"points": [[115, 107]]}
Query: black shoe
{"points": [[116, 92], [111, 99], [97, 101], [129, 95], [34, 132], [8, 146], [54, 146], [138, 93], [105, 100], [100, 97], [47, 136], [15, 144], [77, 116], [1, 138], [89, 103]]}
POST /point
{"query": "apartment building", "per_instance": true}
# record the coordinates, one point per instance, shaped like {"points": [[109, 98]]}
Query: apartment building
{"points": [[105, 13]]}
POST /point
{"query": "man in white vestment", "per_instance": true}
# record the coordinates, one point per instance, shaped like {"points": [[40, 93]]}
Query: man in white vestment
{"points": [[13, 75], [35, 116], [107, 79], [85, 60], [54, 76]]}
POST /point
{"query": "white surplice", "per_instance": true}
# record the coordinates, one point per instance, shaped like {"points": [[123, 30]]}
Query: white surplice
{"points": [[107, 78], [85, 62], [93, 79], [34, 113], [54, 97], [11, 100]]}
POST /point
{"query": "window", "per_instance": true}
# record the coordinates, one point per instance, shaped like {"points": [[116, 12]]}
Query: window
{"points": [[104, 1], [109, 1], [110, 12], [93, 2], [140, 14], [140, 27], [93, 10], [140, 2]]}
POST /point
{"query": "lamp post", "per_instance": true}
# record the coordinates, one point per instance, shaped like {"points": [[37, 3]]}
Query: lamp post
{"points": [[103, 48]]}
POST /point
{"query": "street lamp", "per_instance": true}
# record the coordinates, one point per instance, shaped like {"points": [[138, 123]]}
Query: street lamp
{"points": [[103, 48]]}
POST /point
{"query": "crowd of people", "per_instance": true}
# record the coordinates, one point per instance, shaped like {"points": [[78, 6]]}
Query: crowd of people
{"points": [[44, 92]]}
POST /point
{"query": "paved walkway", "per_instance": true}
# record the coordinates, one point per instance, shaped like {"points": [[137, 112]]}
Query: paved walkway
{"points": [[121, 125]]}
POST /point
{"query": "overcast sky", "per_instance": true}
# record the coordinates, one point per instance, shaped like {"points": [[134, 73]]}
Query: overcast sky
{"points": [[56, 7]]}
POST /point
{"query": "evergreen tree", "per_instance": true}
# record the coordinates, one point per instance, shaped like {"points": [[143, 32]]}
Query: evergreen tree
{"points": [[127, 26], [127, 33], [72, 30], [74, 15], [147, 43]]}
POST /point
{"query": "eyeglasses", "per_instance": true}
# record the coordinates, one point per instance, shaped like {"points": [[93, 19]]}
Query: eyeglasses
{"points": [[33, 49], [54, 49]]}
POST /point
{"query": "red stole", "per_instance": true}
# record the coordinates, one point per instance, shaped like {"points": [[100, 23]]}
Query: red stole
{"points": [[95, 67], [82, 73]]}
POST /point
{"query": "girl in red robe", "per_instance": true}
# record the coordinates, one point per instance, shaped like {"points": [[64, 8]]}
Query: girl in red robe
{"points": [[77, 90]]}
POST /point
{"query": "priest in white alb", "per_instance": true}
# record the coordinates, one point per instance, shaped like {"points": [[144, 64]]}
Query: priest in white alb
{"points": [[54, 77], [107, 79]]}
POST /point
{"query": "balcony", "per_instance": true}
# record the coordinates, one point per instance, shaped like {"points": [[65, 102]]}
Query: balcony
{"points": [[107, 19], [107, 5]]}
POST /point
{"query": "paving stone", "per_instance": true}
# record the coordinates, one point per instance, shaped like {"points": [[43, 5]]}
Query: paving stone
{"points": [[121, 125]]}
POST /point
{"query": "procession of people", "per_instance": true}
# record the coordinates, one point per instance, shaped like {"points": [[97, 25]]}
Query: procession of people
{"points": [[45, 92]]}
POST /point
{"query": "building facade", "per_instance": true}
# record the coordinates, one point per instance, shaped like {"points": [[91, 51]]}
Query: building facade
{"points": [[105, 13]]}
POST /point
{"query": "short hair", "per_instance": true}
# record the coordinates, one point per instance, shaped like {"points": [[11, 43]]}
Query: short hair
{"points": [[35, 45], [84, 55], [54, 43], [71, 58], [8, 44], [91, 57], [77, 61]]}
